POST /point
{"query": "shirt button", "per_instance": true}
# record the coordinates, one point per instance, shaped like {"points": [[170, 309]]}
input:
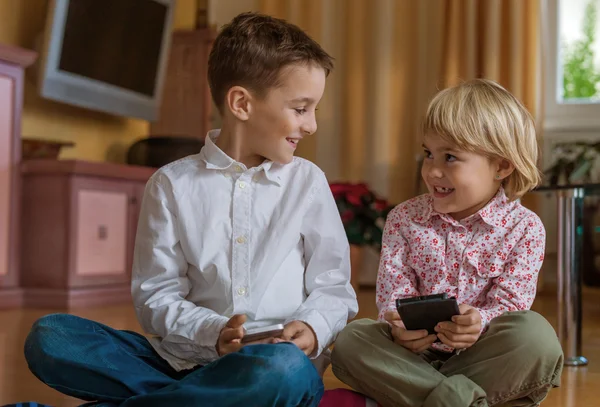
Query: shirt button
{"points": [[241, 291], [242, 185], [241, 240], [238, 168], [256, 178]]}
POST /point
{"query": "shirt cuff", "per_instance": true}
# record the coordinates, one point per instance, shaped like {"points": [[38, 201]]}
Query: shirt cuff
{"points": [[381, 316], [485, 320], [208, 335], [319, 326]]}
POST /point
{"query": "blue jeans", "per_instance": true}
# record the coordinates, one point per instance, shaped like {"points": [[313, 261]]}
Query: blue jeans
{"points": [[94, 362]]}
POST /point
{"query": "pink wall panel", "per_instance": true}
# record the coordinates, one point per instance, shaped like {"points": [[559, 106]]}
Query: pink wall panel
{"points": [[101, 233], [6, 148]]}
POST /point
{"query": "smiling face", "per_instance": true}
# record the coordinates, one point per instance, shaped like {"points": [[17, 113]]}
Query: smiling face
{"points": [[278, 121], [460, 182]]}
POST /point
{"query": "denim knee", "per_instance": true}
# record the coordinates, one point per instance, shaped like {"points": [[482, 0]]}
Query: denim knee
{"points": [[284, 359], [45, 339], [286, 366]]}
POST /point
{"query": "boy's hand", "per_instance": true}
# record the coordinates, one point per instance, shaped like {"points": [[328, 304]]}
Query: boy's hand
{"points": [[464, 331], [230, 338], [415, 341], [301, 335]]}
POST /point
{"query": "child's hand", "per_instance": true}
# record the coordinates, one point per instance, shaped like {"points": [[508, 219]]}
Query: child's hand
{"points": [[464, 331], [415, 341], [230, 338], [300, 334]]}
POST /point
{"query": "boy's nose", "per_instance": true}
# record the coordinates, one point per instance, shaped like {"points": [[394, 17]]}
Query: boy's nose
{"points": [[310, 126]]}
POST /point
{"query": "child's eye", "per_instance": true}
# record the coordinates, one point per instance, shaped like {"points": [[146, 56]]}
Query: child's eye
{"points": [[300, 111], [428, 154], [450, 158]]}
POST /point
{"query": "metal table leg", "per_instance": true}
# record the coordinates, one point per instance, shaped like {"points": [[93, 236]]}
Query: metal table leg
{"points": [[570, 213]]}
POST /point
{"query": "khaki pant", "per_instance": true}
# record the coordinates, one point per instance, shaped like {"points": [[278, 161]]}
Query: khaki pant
{"points": [[515, 363]]}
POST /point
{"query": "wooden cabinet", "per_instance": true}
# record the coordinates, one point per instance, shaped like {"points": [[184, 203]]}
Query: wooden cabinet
{"points": [[12, 64], [79, 223], [186, 107]]}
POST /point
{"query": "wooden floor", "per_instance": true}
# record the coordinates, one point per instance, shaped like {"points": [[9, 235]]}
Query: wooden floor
{"points": [[580, 386]]}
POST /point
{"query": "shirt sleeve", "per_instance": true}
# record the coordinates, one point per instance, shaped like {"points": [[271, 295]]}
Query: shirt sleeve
{"points": [[395, 278], [331, 300], [516, 287], [160, 284]]}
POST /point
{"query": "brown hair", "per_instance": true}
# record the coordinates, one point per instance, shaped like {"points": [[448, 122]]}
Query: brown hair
{"points": [[252, 50], [482, 117]]}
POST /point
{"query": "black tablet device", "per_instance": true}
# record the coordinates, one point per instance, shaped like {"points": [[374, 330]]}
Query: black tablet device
{"points": [[425, 312]]}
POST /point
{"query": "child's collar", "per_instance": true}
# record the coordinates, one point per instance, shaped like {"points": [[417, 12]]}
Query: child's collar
{"points": [[492, 213]]}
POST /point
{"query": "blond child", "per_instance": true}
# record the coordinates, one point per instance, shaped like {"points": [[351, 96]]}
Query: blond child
{"points": [[469, 237]]}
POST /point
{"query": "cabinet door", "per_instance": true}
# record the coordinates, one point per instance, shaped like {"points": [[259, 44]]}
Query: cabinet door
{"points": [[101, 232]]}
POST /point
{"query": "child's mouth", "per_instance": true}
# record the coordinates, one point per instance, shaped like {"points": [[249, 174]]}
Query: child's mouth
{"points": [[441, 192], [292, 142]]}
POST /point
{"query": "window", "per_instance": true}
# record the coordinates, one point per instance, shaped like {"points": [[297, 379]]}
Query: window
{"points": [[579, 53], [571, 48], [572, 38]]}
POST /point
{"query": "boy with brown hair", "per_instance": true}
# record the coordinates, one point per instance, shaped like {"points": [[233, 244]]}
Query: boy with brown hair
{"points": [[239, 236]]}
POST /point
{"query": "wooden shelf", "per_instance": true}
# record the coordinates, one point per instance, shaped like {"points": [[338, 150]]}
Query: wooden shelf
{"points": [[77, 167]]}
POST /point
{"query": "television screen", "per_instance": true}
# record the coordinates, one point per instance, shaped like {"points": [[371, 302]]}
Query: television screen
{"points": [[108, 55]]}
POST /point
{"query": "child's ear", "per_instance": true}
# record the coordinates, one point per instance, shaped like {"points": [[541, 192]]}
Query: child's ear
{"points": [[237, 100], [505, 168]]}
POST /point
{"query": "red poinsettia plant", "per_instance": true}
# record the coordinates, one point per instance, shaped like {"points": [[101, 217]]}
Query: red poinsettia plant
{"points": [[363, 213]]}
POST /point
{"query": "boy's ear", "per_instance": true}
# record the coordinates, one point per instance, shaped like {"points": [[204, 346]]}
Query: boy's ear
{"points": [[237, 100], [505, 168]]}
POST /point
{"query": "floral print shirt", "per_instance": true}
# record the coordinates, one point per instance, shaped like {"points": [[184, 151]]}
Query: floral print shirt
{"points": [[489, 260]]}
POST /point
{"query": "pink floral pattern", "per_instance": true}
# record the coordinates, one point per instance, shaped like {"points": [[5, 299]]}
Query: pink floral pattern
{"points": [[489, 260]]}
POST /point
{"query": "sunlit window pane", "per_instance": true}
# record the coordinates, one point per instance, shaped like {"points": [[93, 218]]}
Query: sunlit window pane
{"points": [[579, 56]]}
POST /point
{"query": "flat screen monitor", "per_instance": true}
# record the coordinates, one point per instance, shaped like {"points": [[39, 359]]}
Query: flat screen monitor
{"points": [[107, 55]]}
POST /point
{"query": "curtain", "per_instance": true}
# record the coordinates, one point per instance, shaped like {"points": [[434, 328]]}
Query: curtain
{"points": [[391, 57]]}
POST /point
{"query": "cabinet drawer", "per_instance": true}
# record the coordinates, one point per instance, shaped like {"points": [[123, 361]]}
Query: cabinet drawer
{"points": [[102, 232]]}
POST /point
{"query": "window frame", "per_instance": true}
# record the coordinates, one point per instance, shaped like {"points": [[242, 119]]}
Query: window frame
{"points": [[561, 117]]}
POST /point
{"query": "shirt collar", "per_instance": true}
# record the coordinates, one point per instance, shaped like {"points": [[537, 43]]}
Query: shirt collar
{"points": [[495, 211], [216, 159], [427, 212], [272, 171], [213, 156], [492, 214]]}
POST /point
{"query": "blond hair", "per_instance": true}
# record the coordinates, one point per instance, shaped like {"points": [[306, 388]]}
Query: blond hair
{"points": [[481, 116]]}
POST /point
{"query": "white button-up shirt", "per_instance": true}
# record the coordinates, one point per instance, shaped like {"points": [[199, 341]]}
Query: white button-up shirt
{"points": [[216, 239]]}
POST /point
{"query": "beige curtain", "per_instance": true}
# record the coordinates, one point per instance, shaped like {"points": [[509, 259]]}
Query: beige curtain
{"points": [[391, 58]]}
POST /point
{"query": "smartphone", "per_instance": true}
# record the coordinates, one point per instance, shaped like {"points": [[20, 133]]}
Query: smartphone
{"points": [[255, 334]]}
